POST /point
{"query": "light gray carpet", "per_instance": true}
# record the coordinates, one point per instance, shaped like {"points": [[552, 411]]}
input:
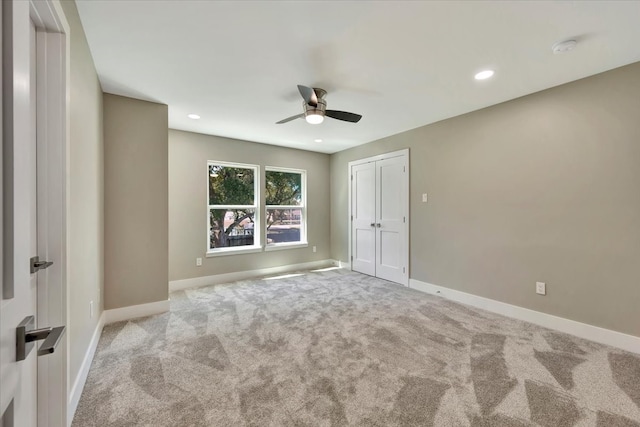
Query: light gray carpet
{"points": [[337, 348]]}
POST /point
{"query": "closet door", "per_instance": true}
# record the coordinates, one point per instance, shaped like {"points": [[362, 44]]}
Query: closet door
{"points": [[391, 236], [379, 191], [363, 218]]}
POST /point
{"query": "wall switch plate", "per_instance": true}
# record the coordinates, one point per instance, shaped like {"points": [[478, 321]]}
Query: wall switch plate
{"points": [[198, 262], [424, 197], [314, 249], [541, 288], [90, 309]]}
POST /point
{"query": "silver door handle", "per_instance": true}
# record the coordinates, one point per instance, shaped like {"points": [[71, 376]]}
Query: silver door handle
{"points": [[26, 335], [36, 264]]}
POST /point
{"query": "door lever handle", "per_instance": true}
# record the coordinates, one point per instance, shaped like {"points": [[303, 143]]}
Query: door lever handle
{"points": [[26, 335], [373, 224], [51, 341], [36, 264]]}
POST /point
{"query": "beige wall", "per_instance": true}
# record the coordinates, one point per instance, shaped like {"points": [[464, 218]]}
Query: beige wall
{"points": [[542, 188], [188, 155], [136, 202], [85, 216]]}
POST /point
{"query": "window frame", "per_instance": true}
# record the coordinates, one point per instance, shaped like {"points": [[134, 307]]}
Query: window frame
{"points": [[302, 207], [257, 218]]}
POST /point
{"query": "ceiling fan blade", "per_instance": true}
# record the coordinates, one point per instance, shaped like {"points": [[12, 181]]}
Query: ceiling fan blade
{"points": [[343, 115], [288, 119], [309, 95]]}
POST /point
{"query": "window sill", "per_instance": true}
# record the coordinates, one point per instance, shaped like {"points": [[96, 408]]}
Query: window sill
{"points": [[283, 246], [240, 250]]}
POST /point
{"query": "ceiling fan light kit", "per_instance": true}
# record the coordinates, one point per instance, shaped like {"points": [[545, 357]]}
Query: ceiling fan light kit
{"points": [[314, 114], [314, 119], [315, 108]]}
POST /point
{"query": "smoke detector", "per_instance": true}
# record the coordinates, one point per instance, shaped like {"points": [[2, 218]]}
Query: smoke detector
{"points": [[564, 46]]}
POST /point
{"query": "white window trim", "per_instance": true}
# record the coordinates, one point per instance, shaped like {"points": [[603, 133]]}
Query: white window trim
{"points": [[285, 245], [257, 219], [303, 243], [236, 250]]}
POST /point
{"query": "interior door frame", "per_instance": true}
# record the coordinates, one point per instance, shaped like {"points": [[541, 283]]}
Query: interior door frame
{"points": [[52, 81], [398, 153]]}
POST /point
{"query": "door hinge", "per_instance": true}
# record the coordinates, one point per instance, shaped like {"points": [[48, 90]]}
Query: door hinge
{"points": [[351, 217], [404, 219], [404, 169], [351, 258], [351, 177], [403, 270]]}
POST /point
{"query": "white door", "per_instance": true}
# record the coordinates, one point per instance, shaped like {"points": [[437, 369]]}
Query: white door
{"points": [[19, 299], [363, 218], [391, 216], [379, 216], [19, 385]]}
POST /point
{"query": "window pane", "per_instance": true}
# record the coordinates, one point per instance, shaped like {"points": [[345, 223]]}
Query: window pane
{"points": [[283, 188], [231, 185], [283, 225], [230, 227]]}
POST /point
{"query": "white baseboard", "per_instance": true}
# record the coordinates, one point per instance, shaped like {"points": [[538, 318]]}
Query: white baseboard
{"points": [[582, 330], [343, 264], [196, 282], [135, 311], [81, 378]]}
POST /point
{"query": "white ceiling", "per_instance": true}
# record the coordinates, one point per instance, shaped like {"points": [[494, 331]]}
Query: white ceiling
{"points": [[399, 64]]}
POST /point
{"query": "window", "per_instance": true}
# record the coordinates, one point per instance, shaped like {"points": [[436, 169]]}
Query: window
{"points": [[233, 207], [285, 198]]}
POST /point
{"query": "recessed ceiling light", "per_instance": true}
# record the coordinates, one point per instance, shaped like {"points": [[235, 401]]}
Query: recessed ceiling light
{"points": [[564, 46], [317, 140], [193, 116], [482, 75]]}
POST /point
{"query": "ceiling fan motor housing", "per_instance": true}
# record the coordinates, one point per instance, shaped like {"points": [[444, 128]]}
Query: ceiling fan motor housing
{"points": [[320, 108]]}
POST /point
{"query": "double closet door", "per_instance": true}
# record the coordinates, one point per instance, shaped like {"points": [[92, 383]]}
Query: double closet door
{"points": [[380, 216]]}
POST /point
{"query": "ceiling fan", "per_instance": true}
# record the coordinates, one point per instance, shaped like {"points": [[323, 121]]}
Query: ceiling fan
{"points": [[315, 108]]}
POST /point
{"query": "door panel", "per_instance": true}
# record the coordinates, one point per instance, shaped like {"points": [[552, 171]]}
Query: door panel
{"points": [[19, 379], [363, 210], [390, 211], [364, 253], [388, 249], [390, 189]]}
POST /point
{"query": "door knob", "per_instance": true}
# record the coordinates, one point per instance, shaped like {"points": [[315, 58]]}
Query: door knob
{"points": [[373, 224], [378, 225], [26, 335]]}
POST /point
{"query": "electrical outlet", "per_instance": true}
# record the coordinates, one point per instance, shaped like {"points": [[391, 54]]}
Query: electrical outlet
{"points": [[541, 288], [198, 262], [424, 198], [90, 309], [314, 249]]}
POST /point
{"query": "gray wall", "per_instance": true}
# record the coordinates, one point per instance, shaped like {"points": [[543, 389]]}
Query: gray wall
{"points": [[85, 216], [135, 202], [541, 188], [188, 155]]}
